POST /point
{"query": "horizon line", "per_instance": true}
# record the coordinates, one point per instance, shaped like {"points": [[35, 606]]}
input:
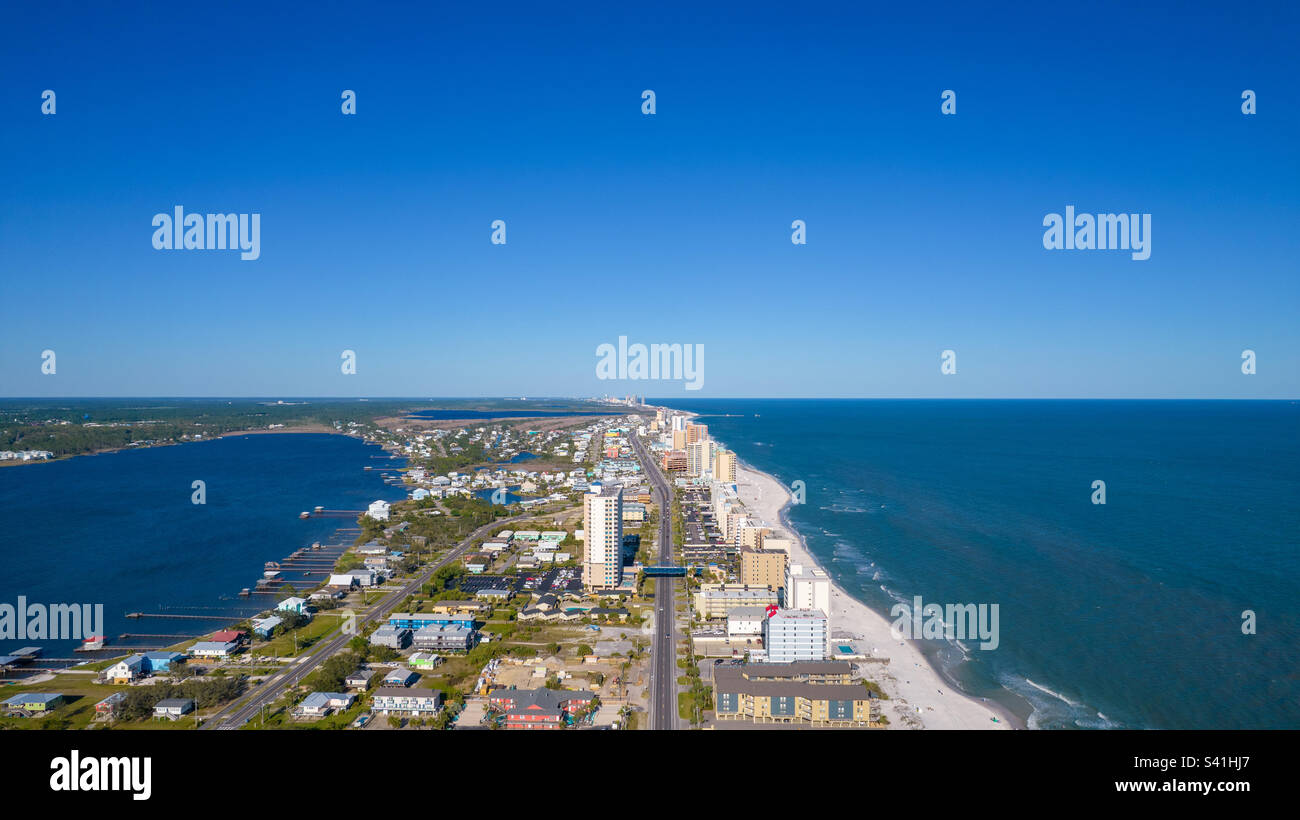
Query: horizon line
{"points": [[649, 401]]}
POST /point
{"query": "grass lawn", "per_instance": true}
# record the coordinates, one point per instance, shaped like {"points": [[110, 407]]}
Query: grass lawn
{"points": [[282, 646], [685, 706], [278, 717], [82, 694]]}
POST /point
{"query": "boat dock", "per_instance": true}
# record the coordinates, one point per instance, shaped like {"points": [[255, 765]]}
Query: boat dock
{"points": [[179, 617], [337, 513]]}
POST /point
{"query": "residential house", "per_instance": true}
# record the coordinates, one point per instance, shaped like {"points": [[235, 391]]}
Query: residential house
{"points": [[342, 580], [263, 627], [400, 677], [424, 660], [35, 701], [108, 706], [364, 577], [320, 704], [173, 708], [162, 660], [214, 649], [359, 679], [378, 510], [293, 604], [127, 670]]}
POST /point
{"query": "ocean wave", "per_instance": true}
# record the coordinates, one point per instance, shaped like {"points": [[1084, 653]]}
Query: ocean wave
{"points": [[1053, 710], [1052, 692], [849, 549], [844, 508]]}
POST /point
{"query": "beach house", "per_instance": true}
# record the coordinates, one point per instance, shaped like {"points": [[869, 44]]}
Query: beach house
{"points": [[173, 708], [214, 649], [35, 702], [126, 670], [108, 706], [400, 676], [359, 679], [320, 704], [263, 627], [378, 510], [293, 604]]}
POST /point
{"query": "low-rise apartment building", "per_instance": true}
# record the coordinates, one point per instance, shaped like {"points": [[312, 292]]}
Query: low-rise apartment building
{"points": [[811, 694], [714, 600]]}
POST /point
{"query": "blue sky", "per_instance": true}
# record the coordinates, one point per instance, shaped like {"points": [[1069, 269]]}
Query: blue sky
{"points": [[924, 231]]}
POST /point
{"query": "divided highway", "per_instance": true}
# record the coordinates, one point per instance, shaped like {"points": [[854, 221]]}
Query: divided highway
{"points": [[663, 652]]}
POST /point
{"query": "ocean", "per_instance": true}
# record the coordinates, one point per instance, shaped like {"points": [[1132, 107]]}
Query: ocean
{"points": [[1127, 614], [120, 529]]}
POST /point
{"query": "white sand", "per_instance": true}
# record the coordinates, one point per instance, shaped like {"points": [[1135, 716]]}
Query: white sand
{"points": [[908, 678]]}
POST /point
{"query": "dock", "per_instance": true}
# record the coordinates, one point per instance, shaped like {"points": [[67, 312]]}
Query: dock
{"points": [[178, 617]]}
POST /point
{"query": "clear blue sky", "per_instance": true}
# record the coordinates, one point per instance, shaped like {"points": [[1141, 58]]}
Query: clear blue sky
{"points": [[924, 231]]}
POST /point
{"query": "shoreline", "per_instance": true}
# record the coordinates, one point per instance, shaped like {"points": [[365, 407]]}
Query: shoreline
{"points": [[909, 677], [295, 430]]}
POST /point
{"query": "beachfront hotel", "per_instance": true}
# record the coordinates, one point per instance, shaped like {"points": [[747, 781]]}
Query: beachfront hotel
{"points": [[679, 440], [724, 466], [793, 635], [762, 568], [699, 458], [602, 520], [807, 588]]}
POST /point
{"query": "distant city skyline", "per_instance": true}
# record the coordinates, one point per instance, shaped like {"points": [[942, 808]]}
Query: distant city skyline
{"points": [[925, 232]]}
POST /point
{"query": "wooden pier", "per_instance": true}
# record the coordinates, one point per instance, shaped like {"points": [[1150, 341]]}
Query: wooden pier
{"points": [[179, 617]]}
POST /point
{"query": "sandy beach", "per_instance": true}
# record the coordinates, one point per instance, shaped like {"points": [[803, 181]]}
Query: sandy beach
{"points": [[907, 677]]}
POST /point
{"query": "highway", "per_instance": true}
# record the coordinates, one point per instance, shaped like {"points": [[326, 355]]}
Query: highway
{"points": [[663, 653], [240, 712]]}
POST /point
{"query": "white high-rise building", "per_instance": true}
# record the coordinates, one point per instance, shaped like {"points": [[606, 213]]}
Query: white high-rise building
{"points": [[679, 423], [793, 635], [699, 459], [807, 588], [602, 521]]}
